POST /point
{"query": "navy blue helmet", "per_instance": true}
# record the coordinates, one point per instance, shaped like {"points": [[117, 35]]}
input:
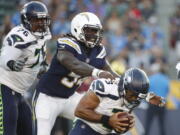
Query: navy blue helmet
{"points": [[35, 17], [134, 85]]}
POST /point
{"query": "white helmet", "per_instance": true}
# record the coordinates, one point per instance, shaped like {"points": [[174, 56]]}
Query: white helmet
{"points": [[87, 28]]}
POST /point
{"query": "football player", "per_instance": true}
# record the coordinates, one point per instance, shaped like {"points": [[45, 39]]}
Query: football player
{"points": [[178, 70], [79, 55], [99, 110], [21, 57]]}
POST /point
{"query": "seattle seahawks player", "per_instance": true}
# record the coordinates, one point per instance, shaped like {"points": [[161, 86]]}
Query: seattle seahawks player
{"points": [[22, 53], [100, 108], [79, 54]]}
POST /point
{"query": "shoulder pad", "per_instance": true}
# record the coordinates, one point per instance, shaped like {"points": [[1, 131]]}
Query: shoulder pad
{"points": [[98, 86], [20, 38], [68, 43], [102, 53], [104, 89]]}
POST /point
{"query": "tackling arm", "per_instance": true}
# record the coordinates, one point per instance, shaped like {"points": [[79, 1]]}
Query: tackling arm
{"points": [[68, 60]]}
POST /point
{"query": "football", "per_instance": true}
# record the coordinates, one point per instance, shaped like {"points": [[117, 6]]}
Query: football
{"points": [[124, 115]]}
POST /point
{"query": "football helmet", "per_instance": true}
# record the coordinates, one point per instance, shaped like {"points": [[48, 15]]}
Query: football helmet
{"points": [[134, 86], [86, 27], [35, 18]]}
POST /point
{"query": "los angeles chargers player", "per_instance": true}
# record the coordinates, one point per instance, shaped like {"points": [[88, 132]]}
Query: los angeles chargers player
{"points": [[21, 57], [99, 109], [79, 54]]}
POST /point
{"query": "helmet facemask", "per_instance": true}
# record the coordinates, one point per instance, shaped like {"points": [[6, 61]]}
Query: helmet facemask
{"points": [[91, 35], [35, 18], [133, 87], [38, 25], [132, 99]]}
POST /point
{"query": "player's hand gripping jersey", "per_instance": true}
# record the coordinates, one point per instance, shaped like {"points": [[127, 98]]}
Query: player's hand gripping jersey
{"points": [[61, 82], [21, 44], [110, 102]]}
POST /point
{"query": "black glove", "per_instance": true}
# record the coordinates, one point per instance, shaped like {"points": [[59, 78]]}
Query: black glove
{"points": [[16, 65]]}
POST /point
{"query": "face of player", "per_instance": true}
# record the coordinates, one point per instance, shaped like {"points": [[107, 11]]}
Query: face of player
{"points": [[131, 96], [92, 35], [132, 99], [39, 24]]}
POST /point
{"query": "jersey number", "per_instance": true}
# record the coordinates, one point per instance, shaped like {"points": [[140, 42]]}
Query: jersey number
{"points": [[71, 80], [37, 55]]}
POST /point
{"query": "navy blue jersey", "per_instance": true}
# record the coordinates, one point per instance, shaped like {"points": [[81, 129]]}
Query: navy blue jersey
{"points": [[58, 81]]}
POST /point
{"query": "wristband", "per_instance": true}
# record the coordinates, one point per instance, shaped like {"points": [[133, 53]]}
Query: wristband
{"points": [[96, 72], [105, 120]]}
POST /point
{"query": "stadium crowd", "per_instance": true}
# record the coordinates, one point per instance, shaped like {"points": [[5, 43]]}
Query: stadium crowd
{"points": [[132, 35]]}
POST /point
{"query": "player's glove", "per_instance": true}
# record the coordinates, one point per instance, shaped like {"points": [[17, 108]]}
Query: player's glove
{"points": [[16, 65]]}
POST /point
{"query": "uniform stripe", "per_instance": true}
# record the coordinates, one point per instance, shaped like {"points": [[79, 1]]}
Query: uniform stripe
{"points": [[23, 46], [1, 113], [108, 95], [71, 44], [102, 54]]}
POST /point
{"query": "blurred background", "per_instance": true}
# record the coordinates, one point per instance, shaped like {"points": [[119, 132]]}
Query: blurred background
{"points": [[137, 33]]}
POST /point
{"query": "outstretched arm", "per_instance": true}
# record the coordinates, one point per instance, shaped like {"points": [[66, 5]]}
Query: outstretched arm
{"points": [[68, 60], [155, 100]]}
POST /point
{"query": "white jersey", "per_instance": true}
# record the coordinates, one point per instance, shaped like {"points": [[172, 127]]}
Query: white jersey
{"points": [[21, 44], [110, 102]]}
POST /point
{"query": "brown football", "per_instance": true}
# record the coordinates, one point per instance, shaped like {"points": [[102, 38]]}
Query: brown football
{"points": [[126, 115], [127, 121]]}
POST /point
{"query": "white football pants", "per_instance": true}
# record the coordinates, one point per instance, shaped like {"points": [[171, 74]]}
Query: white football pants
{"points": [[48, 108]]}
